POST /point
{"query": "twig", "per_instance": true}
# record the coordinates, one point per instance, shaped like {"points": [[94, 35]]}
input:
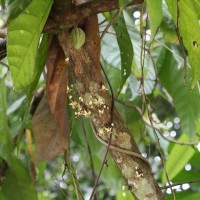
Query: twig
{"points": [[102, 22], [156, 128], [110, 23], [180, 183], [181, 42], [68, 164], [154, 65], [162, 156], [161, 134], [90, 154], [142, 58], [100, 171], [112, 33], [4, 64]]}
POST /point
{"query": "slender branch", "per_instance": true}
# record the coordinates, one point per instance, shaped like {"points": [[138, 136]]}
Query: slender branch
{"points": [[154, 65], [68, 164], [4, 64], [102, 22], [180, 183], [144, 100], [180, 41], [110, 24], [77, 15], [90, 154], [154, 127], [100, 172]]}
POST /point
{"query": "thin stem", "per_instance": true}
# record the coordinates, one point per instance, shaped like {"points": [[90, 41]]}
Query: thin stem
{"points": [[180, 183], [4, 64], [156, 128], [90, 154], [102, 22], [181, 42], [144, 103], [100, 171], [110, 23], [68, 164]]}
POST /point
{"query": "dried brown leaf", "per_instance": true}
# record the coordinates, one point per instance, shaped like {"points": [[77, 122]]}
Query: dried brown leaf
{"points": [[56, 87], [49, 138]]}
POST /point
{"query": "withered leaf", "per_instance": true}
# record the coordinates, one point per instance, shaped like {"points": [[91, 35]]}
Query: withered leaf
{"points": [[56, 87], [49, 138], [50, 123]]}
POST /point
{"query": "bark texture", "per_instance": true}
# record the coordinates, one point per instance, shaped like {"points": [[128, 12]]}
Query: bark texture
{"points": [[86, 75], [66, 15]]}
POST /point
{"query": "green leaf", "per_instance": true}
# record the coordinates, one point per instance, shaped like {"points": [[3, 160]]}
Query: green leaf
{"points": [[39, 65], [185, 101], [5, 138], [110, 175], [2, 197], [125, 46], [124, 195], [124, 3], [179, 156], [2, 2], [23, 37], [17, 184], [185, 195], [190, 32], [16, 7], [154, 8], [114, 75]]}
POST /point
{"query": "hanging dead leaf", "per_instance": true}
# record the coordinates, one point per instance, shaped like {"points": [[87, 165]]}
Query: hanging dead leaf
{"points": [[49, 138], [56, 87]]}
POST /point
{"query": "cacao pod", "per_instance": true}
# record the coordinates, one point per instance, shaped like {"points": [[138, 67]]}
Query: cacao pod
{"points": [[77, 38]]}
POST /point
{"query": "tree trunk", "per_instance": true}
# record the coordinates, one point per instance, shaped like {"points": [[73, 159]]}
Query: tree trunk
{"points": [[86, 75]]}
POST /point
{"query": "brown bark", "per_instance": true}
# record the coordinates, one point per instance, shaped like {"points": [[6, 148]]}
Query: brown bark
{"points": [[86, 75], [66, 15]]}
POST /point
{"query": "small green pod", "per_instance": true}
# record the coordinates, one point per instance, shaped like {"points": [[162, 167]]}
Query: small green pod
{"points": [[77, 38]]}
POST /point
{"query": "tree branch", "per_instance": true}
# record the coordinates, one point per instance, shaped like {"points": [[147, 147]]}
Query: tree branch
{"points": [[66, 15]]}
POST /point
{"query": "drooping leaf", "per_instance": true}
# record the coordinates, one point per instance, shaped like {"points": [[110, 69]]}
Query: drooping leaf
{"points": [[155, 15], [16, 7], [49, 138], [125, 46], [186, 102], [57, 80], [111, 57], [190, 31], [123, 3], [5, 138], [191, 174], [178, 158], [23, 37], [17, 184], [39, 64]]}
